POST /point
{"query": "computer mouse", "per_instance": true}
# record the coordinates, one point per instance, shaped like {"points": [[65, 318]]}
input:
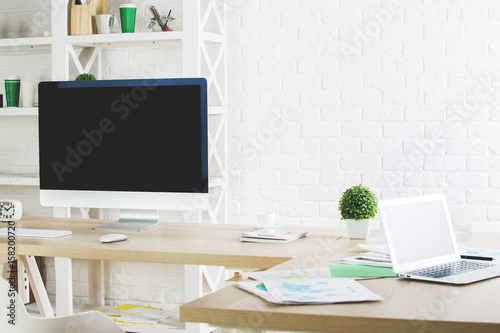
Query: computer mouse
{"points": [[113, 238]]}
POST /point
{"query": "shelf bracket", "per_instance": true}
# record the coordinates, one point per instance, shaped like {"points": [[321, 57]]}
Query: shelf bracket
{"points": [[86, 59]]}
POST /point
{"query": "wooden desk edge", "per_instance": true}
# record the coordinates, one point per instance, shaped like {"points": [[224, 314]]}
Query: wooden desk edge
{"points": [[88, 247], [265, 320], [257, 313]]}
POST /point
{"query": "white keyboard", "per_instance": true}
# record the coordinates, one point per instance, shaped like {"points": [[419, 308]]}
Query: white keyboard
{"points": [[19, 232]]}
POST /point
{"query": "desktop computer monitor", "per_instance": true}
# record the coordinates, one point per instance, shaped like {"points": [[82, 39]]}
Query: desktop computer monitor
{"points": [[139, 145]]}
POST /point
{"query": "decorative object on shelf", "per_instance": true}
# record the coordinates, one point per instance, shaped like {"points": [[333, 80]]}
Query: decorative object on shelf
{"points": [[105, 23], [159, 23], [28, 93], [10, 210], [153, 25], [81, 20], [12, 87], [358, 206], [85, 77], [83, 14], [127, 17]]}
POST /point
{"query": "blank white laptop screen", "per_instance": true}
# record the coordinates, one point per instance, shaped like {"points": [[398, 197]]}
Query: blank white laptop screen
{"points": [[419, 230]]}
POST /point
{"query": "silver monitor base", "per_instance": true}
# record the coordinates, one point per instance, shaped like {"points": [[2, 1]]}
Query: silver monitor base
{"points": [[133, 220]]}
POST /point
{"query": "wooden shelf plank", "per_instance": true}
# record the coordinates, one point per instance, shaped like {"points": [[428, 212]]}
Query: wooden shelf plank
{"points": [[20, 180], [128, 39], [11, 111], [24, 42]]}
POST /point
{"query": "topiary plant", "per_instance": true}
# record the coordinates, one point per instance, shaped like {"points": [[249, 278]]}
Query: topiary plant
{"points": [[85, 77], [358, 203]]}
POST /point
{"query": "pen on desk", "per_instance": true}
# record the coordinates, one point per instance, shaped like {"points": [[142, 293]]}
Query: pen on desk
{"points": [[477, 258]]}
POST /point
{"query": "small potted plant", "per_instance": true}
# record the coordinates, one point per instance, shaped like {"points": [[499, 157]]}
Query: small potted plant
{"points": [[85, 77], [357, 206]]}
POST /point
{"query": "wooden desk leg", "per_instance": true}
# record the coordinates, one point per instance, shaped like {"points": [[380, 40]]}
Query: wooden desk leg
{"points": [[64, 286], [96, 282], [5, 271], [4, 264], [23, 284], [37, 285]]}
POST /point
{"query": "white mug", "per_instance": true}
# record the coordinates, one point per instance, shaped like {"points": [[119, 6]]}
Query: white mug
{"points": [[104, 23], [266, 220], [28, 93]]}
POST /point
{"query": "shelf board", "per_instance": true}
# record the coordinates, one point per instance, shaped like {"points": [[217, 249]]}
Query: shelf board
{"points": [[127, 39], [25, 42], [11, 111], [21, 180]]}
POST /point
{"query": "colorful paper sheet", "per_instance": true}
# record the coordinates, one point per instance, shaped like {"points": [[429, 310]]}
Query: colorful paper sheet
{"points": [[310, 290]]}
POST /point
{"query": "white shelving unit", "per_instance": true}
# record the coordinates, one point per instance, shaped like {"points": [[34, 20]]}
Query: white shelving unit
{"points": [[203, 44], [204, 54]]}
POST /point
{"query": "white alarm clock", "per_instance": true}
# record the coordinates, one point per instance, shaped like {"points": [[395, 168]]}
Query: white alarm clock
{"points": [[10, 210]]}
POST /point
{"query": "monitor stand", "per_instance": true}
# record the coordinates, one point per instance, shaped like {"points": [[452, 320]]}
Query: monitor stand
{"points": [[133, 220]]}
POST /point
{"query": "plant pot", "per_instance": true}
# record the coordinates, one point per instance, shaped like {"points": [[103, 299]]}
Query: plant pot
{"points": [[358, 229]]}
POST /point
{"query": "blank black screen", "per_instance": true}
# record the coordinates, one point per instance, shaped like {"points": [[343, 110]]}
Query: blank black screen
{"points": [[123, 136]]}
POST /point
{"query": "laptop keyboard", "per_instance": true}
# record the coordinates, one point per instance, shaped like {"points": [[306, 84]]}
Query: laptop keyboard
{"points": [[449, 269]]}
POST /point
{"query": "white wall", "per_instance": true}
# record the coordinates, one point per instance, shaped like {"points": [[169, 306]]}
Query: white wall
{"points": [[399, 95], [402, 96]]}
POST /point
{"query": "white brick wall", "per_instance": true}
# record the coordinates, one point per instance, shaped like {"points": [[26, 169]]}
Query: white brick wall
{"points": [[402, 95], [407, 102]]}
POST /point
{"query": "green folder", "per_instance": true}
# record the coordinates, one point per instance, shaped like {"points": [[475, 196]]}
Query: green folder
{"points": [[360, 271]]}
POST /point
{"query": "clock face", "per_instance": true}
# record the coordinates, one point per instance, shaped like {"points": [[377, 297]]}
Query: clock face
{"points": [[7, 210]]}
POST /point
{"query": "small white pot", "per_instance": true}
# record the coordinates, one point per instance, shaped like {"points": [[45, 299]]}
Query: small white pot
{"points": [[358, 229]]}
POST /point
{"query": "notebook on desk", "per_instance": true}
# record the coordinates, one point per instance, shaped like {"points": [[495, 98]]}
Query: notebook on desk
{"points": [[422, 243], [277, 236]]}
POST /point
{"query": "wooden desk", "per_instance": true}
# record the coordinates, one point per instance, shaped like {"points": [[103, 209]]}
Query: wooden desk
{"points": [[408, 306], [172, 243]]}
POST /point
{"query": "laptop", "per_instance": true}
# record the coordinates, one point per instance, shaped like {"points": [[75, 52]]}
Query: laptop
{"points": [[422, 242]]}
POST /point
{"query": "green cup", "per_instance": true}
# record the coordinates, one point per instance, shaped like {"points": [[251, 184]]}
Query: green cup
{"points": [[12, 86], [127, 17]]}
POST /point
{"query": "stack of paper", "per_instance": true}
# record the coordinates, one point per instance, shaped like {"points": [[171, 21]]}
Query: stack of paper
{"points": [[278, 236], [309, 290], [472, 251], [321, 272], [378, 256], [369, 258], [334, 270], [134, 314]]}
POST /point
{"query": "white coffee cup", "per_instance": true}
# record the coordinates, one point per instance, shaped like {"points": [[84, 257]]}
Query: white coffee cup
{"points": [[104, 23], [28, 92], [266, 220]]}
